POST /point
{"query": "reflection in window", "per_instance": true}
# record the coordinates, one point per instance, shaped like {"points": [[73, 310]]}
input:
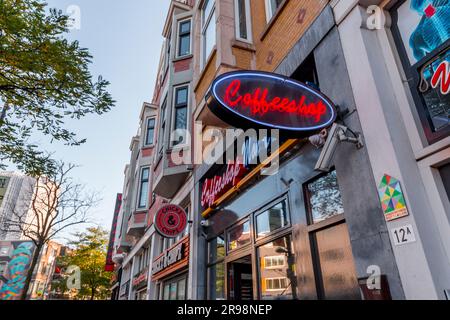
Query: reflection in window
{"points": [[239, 236], [325, 198], [216, 281], [277, 270], [216, 249], [273, 219]]}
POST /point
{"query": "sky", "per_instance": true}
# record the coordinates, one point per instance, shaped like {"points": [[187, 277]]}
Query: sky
{"points": [[125, 39]]}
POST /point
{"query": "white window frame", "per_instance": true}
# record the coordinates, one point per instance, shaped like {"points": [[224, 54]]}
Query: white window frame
{"points": [[279, 281], [248, 21], [138, 198], [179, 38], [269, 11], [205, 21], [274, 258], [172, 122], [146, 131]]}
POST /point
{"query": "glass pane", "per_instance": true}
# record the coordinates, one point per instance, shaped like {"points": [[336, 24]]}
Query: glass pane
{"points": [[277, 264], [437, 104], [216, 282], [182, 96], [182, 290], [166, 292], [336, 264], [143, 195], [145, 174], [325, 198], [208, 6], [181, 118], [185, 27], [185, 45], [239, 236], [216, 249], [273, 219], [173, 291], [242, 19], [209, 37], [150, 132]]}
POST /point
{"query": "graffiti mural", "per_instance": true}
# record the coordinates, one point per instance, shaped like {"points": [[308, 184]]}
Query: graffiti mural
{"points": [[15, 257]]}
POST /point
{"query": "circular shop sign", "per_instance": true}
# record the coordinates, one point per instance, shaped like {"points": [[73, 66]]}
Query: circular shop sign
{"points": [[254, 99], [170, 221]]}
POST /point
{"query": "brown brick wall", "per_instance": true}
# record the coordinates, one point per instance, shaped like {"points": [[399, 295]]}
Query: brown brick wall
{"points": [[291, 23], [206, 79]]}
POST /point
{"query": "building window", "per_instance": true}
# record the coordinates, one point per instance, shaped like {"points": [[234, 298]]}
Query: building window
{"points": [[276, 284], [324, 197], [143, 188], [239, 236], [184, 38], [208, 29], [274, 262], [150, 132], [277, 277], [216, 249], [216, 281], [272, 219], [181, 109], [422, 33], [162, 129], [175, 289], [272, 7], [243, 20]]}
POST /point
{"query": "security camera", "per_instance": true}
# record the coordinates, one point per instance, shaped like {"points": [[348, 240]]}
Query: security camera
{"points": [[204, 223], [337, 134]]}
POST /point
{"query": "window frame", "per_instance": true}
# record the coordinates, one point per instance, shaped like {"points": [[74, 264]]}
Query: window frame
{"points": [[162, 125], [180, 34], [270, 12], [176, 106], [141, 182], [272, 204], [147, 120], [205, 22], [413, 78], [248, 21]]}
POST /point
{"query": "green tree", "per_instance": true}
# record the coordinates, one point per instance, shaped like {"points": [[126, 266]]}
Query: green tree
{"points": [[44, 80], [89, 254]]}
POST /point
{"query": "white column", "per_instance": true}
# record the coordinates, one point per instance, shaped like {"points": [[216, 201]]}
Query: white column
{"points": [[389, 148]]}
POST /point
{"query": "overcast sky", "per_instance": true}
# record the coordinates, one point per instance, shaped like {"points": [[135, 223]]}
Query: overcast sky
{"points": [[125, 39]]}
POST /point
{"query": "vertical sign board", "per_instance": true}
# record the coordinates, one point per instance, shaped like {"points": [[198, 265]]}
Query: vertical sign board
{"points": [[392, 198], [3, 187]]}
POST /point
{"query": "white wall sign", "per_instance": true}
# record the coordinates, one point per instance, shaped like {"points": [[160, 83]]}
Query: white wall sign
{"points": [[403, 235]]}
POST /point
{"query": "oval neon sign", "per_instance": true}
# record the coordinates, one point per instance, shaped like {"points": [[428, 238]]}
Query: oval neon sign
{"points": [[253, 99]]}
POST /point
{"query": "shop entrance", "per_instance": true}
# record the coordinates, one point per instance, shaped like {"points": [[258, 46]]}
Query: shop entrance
{"points": [[240, 279]]}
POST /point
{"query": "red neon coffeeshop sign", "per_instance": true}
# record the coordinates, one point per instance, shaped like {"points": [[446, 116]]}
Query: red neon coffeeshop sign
{"points": [[252, 99], [215, 187], [258, 104]]}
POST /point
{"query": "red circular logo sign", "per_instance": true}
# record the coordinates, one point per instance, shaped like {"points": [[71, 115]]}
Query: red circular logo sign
{"points": [[170, 221]]}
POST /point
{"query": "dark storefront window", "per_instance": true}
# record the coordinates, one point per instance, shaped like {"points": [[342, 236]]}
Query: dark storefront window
{"points": [[272, 219], [334, 266], [422, 33], [277, 278], [239, 236], [325, 198]]}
